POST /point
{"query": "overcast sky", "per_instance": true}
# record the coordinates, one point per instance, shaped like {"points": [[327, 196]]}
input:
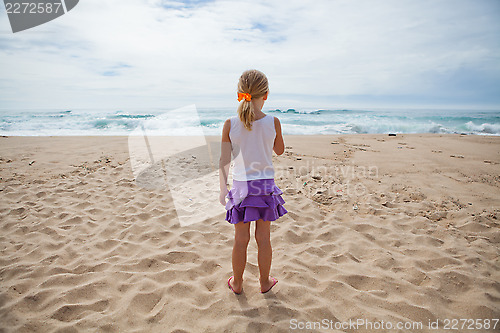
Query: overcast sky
{"points": [[123, 54]]}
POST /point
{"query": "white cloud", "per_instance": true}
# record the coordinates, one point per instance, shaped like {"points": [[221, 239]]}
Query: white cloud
{"points": [[119, 53]]}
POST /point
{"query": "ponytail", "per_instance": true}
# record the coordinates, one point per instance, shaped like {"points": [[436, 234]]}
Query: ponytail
{"points": [[252, 84], [246, 114]]}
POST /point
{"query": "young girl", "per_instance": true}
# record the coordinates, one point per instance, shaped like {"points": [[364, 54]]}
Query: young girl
{"points": [[251, 137]]}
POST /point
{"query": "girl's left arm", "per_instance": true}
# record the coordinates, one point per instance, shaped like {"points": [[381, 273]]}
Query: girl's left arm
{"points": [[225, 161]]}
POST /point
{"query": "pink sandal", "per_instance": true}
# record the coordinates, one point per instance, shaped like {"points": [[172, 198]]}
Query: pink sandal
{"points": [[230, 287], [274, 283]]}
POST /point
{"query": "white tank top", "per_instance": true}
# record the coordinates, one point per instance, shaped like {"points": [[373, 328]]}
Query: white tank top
{"points": [[252, 150]]}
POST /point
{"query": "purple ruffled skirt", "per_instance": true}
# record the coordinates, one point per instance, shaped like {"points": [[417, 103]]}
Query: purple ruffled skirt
{"points": [[253, 200]]}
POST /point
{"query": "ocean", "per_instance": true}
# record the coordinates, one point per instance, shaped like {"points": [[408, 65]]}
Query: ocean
{"points": [[299, 121]]}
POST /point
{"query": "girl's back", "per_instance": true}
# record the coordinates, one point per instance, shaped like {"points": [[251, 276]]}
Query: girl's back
{"points": [[252, 150]]}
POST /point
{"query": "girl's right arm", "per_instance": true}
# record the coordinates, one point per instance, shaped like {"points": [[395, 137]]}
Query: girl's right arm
{"points": [[225, 160], [279, 144]]}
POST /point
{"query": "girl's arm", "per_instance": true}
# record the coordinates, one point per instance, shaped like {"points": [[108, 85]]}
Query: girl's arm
{"points": [[279, 144], [225, 160]]}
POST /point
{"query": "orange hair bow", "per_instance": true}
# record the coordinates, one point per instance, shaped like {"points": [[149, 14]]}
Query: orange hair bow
{"points": [[247, 97]]}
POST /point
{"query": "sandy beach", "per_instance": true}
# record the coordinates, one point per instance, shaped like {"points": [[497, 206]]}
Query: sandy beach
{"points": [[401, 229]]}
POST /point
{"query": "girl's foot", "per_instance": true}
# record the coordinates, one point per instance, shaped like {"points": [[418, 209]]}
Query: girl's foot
{"points": [[235, 288], [267, 285]]}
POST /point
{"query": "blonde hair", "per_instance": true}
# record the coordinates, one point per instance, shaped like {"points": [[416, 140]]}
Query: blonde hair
{"points": [[255, 83]]}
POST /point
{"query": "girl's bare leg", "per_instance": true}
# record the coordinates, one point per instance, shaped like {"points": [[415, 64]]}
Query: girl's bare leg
{"points": [[241, 239], [265, 255]]}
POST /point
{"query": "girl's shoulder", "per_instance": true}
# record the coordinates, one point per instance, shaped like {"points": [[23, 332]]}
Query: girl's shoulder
{"points": [[226, 128], [269, 118], [229, 120], [276, 121]]}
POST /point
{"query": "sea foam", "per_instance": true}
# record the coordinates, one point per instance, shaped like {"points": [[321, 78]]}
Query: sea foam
{"points": [[295, 121]]}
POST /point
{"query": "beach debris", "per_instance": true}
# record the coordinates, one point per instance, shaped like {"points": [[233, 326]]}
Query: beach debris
{"points": [[457, 156], [392, 134], [30, 163], [299, 158], [355, 207], [389, 204], [305, 183], [104, 159], [335, 143], [436, 216]]}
